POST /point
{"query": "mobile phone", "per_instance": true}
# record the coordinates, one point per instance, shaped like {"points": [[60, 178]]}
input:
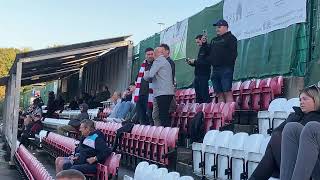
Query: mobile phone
{"points": [[205, 32]]}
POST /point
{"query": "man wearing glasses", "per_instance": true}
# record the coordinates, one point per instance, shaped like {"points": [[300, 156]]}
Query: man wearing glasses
{"points": [[223, 54]]}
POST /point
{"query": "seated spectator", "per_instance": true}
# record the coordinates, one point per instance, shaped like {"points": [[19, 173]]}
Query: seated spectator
{"points": [[92, 149], [104, 95], [70, 174], [32, 123], [51, 106], [115, 99], [74, 104], [75, 123], [121, 110], [60, 103], [280, 155]]}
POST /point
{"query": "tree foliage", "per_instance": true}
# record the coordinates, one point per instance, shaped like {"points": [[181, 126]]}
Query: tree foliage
{"points": [[7, 57]]}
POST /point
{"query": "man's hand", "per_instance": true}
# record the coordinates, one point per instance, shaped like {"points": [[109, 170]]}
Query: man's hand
{"points": [[73, 157], [91, 160]]}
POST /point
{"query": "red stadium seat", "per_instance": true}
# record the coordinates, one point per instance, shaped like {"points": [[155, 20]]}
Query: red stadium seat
{"points": [[187, 95], [169, 143], [151, 144], [32, 168], [247, 87], [143, 143], [225, 115], [158, 144], [136, 142], [278, 86], [183, 117], [236, 91], [175, 115]]}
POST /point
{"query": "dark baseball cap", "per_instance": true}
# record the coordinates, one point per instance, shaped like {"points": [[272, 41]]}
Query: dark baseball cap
{"points": [[221, 22]]}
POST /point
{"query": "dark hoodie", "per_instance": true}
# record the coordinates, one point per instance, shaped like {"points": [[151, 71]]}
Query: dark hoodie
{"points": [[223, 51], [93, 145]]}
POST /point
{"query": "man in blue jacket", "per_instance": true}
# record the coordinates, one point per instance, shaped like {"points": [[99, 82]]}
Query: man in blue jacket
{"points": [[92, 149]]}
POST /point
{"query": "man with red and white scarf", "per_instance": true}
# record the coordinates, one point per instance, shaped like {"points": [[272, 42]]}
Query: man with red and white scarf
{"points": [[144, 93]]}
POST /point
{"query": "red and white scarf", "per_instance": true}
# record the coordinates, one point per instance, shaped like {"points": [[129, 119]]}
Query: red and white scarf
{"points": [[138, 85]]}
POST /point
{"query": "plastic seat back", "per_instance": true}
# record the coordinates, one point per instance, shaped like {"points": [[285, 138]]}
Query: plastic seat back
{"points": [[186, 178], [172, 176], [159, 174], [253, 143], [277, 105], [138, 174], [172, 137], [293, 102]]}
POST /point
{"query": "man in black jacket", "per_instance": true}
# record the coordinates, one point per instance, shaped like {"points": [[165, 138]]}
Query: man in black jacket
{"points": [[92, 149], [223, 54], [201, 71]]}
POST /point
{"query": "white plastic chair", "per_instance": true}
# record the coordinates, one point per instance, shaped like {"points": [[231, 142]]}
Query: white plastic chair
{"points": [[265, 117], [293, 102], [186, 178], [199, 148], [172, 176], [139, 172], [148, 172], [255, 157], [239, 155], [159, 174], [222, 140]]}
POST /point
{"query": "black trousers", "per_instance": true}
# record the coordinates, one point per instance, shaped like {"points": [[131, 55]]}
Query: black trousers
{"points": [[164, 102], [201, 87], [143, 111], [269, 166]]}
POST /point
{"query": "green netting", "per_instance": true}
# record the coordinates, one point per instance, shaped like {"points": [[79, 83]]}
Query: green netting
{"points": [[152, 42], [197, 24], [284, 51], [313, 72], [271, 54]]}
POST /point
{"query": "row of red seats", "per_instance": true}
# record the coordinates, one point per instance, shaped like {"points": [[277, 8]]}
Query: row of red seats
{"points": [[257, 94], [109, 130], [58, 145], [151, 143], [248, 95], [215, 115], [30, 166]]}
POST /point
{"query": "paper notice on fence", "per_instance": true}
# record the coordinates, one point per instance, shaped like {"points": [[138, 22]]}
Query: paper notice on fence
{"points": [[249, 18]]}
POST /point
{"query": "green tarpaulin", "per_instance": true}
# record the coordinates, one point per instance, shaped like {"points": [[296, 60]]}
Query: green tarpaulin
{"points": [[313, 72], [281, 52]]}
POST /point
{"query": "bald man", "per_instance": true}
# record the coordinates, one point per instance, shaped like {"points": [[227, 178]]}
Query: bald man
{"points": [[161, 76]]}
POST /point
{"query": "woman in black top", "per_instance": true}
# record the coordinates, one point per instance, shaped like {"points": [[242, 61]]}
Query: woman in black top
{"points": [[269, 166]]}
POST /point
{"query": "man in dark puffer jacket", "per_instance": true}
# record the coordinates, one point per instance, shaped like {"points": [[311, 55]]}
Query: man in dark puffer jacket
{"points": [[92, 149]]}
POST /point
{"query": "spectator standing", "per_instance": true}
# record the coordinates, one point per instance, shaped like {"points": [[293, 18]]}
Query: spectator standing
{"points": [[161, 76], [223, 54], [144, 92], [202, 70]]}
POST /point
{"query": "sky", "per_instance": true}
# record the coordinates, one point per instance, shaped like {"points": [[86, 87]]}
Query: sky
{"points": [[37, 24]]}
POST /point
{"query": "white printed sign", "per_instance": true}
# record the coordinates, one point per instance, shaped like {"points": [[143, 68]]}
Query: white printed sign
{"points": [[249, 18]]}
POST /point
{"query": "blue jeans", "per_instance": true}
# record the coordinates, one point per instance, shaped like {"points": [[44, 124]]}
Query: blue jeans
{"points": [[84, 168], [222, 79], [124, 109]]}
